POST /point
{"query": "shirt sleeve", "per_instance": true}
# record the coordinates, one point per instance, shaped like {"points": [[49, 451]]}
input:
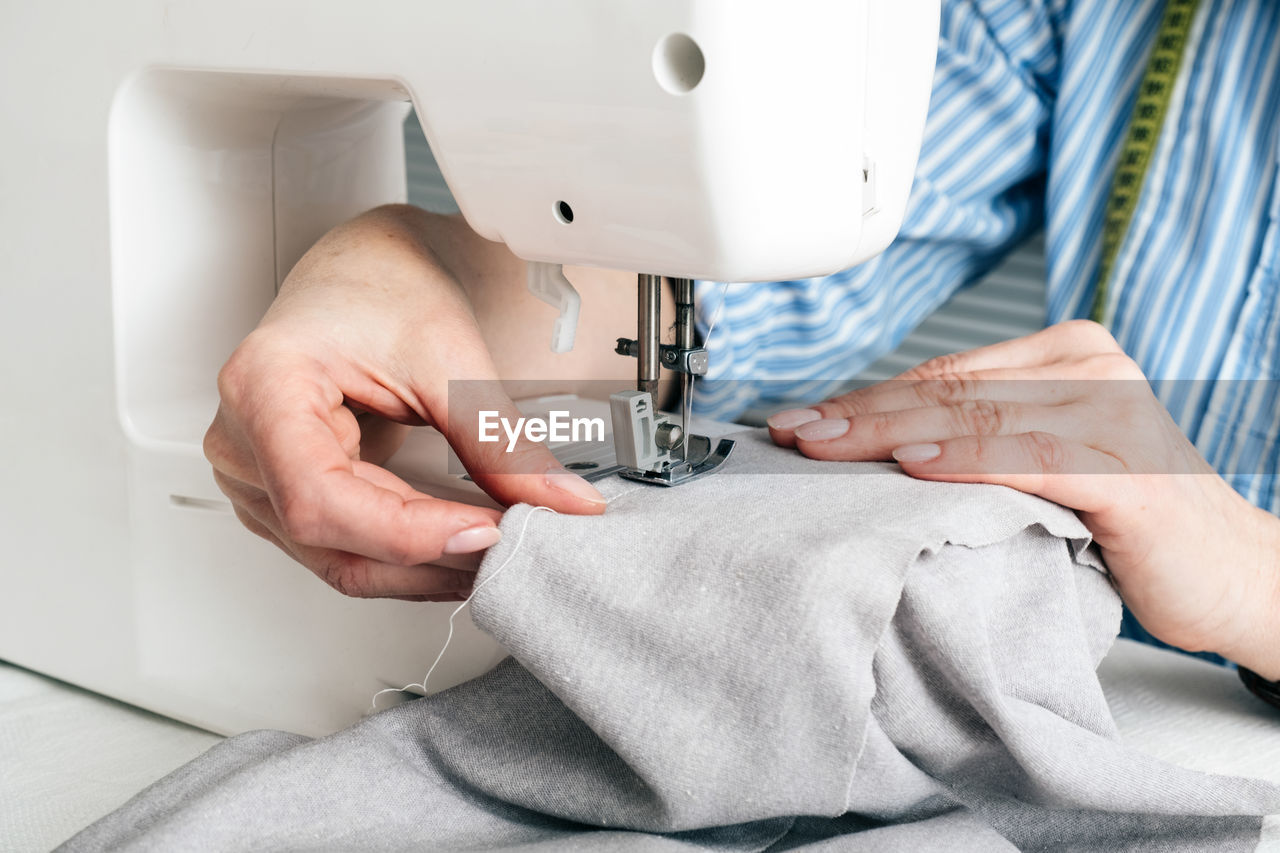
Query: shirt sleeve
{"points": [[979, 190]]}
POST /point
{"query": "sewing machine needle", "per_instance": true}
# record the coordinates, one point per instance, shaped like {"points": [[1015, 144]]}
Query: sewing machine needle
{"points": [[686, 387], [684, 340]]}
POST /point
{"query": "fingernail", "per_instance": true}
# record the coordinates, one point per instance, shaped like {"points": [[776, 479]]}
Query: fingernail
{"points": [[917, 452], [824, 430], [792, 418], [571, 483], [472, 539]]}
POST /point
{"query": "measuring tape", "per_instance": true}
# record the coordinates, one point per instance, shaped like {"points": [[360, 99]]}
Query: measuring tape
{"points": [[1154, 95]]}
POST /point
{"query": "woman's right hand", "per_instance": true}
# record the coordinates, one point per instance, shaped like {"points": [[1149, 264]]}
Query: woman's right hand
{"points": [[362, 341]]}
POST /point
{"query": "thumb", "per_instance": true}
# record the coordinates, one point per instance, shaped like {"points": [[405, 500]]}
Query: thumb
{"points": [[510, 468]]}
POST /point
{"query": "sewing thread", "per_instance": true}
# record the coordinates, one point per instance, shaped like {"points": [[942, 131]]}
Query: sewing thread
{"points": [[715, 317], [422, 686]]}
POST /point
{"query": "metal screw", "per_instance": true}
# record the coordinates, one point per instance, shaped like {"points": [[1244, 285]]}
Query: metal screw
{"points": [[669, 436]]}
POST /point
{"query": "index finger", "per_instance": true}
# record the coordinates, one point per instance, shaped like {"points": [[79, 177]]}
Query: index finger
{"points": [[523, 472], [322, 502]]}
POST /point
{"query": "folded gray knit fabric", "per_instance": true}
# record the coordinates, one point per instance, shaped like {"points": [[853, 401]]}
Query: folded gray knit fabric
{"points": [[789, 654]]}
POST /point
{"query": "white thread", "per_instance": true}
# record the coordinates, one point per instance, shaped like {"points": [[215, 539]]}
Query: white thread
{"points": [[715, 318], [687, 402], [515, 549]]}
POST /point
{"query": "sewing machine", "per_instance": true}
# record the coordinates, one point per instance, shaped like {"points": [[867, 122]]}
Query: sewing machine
{"points": [[167, 162]]}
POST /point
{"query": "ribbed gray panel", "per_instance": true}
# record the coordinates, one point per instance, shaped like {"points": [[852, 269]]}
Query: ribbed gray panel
{"points": [[1008, 303]]}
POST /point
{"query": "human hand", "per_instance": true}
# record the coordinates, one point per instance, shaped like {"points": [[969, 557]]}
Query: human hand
{"points": [[362, 341], [1066, 415]]}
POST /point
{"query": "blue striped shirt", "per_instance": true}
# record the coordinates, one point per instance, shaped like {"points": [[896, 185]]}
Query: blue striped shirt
{"points": [[1030, 108]]}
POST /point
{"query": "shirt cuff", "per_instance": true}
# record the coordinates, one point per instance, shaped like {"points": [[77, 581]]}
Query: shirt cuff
{"points": [[1267, 691]]}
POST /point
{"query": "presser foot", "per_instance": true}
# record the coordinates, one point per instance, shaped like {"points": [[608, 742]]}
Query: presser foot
{"points": [[702, 459], [651, 448]]}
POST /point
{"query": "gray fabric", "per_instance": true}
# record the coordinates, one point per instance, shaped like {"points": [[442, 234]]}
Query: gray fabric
{"points": [[789, 654]]}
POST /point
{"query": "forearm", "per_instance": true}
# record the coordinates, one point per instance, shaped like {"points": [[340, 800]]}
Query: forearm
{"points": [[516, 326]]}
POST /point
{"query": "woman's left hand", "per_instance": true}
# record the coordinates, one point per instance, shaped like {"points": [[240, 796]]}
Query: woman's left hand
{"points": [[1066, 415]]}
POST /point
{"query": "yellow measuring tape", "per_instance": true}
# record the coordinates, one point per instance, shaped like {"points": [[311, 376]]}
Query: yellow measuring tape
{"points": [[1154, 94]]}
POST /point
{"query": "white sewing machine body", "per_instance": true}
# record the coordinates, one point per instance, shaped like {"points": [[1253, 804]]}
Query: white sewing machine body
{"points": [[166, 165]]}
